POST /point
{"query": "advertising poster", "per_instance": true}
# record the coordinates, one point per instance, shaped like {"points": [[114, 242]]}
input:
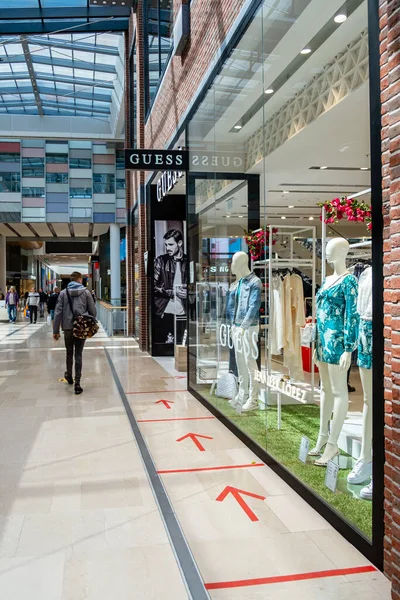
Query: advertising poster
{"points": [[170, 277]]}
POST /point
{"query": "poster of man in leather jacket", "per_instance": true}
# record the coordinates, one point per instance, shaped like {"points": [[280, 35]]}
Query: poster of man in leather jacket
{"points": [[170, 278]]}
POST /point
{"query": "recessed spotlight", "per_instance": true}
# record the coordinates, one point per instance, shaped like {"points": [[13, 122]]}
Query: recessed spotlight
{"points": [[240, 216], [323, 168], [283, 217], [269, 91], [228, 216], [291, 206], [340, 18], [286, 192], [363, 168], [305, 51], [237, 127], [311, 218]]}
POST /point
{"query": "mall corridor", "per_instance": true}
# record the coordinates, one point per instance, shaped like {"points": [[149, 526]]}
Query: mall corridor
{"points": [[84, 517]]}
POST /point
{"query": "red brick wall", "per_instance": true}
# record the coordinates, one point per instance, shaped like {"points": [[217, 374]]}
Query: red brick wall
{"points": [[210, 22], [390, 95]]}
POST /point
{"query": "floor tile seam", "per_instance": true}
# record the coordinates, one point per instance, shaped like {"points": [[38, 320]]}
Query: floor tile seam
{"points": [[209, 469], [179, 545], [290, 578]]}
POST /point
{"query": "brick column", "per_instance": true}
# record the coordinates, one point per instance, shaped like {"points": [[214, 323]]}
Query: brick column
{"points": [[390, 95], [139, 178]]}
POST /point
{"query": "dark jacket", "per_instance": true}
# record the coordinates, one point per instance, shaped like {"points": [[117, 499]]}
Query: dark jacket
{"points": [[164, 275], [82, 303], [52, 301], [43, 297]]}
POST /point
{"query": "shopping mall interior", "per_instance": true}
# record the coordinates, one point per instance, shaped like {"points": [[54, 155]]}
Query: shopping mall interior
{"points": [[225, 428]]}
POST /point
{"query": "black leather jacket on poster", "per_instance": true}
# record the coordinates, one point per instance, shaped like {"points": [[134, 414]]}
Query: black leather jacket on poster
{"points": [[164, 275]]}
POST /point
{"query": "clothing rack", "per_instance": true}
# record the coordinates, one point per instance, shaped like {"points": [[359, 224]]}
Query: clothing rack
{"points": [[273, 263]]}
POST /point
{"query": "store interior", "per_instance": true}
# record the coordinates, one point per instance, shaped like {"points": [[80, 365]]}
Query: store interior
{"points": [[303, 127]]}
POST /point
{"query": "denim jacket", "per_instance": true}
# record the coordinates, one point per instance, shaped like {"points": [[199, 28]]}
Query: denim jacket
{"points": [[244, 310]]}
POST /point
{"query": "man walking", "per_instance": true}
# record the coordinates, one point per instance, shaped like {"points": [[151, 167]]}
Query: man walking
{"points": [[42, 302], [52, 301], [82, 303], [33, 303], [12, 304]]}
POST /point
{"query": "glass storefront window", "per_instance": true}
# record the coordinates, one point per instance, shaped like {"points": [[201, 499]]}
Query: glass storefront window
{"points": [[280, 327]]}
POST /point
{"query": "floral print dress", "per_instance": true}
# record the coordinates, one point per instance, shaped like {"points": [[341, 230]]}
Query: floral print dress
{"points": [[337, 319]]}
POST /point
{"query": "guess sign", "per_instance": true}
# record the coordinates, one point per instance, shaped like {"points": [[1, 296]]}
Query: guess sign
{"points": [[156, 160]]}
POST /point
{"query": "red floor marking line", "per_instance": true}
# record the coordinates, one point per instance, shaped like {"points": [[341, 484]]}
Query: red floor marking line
{"points": [[158, 392], [177, 419], [220, 585], [198, 469]]}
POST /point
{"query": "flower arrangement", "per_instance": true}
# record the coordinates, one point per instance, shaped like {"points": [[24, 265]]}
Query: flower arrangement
{"points": [[351, 209], [259, 241]]}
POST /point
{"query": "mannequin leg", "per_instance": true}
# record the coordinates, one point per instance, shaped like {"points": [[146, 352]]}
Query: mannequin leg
{"points": [[243, 373], [366, 448], [338, 381], [362, 469], [326, 408], [252, 401]]}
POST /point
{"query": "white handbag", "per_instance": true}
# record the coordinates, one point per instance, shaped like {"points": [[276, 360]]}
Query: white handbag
{"points": [[227, 386]]}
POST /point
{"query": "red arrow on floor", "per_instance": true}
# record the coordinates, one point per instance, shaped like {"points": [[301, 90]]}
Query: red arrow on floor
{"points": [[165, 402], [194, 437], [237, 494]]}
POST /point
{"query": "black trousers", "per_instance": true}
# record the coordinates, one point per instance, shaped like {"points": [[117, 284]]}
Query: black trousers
{"points": [[32, 313], [72, 342]]}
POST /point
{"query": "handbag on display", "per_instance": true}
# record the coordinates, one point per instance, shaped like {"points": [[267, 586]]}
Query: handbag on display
{"points": [[227, 386], [85, 326]]}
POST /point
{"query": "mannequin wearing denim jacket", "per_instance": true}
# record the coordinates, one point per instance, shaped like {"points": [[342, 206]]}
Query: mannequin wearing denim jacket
{"points": [[244, 314]]}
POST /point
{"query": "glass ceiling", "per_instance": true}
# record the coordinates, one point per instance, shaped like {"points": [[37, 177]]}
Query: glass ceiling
{"points": [[70, 74]]}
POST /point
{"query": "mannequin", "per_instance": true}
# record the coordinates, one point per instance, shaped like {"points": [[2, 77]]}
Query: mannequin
{"points": [[337, 325], [245, 328], [362, 470]]}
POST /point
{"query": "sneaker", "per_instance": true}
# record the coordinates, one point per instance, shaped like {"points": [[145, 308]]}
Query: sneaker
{"points": [[350, 388], [361, 472], [69, 378], [78, 389], [250, 405], [366, 492]]}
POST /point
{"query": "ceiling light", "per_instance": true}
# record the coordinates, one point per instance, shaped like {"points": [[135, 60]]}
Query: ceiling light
{"points": [[323, 168], [283, 217], [240, 216], [363, 168], [237, 127], [228, 216], [311, 218], [269, 91], [291, 206], [305, 51], [340, 18], [286, 192]]}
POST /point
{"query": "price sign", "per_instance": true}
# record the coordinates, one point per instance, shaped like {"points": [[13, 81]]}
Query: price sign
{"points": [[332, 471], [304, 448]]}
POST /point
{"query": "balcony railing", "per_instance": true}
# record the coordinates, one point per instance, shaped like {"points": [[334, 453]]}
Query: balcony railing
{"points": [[112, 318]]}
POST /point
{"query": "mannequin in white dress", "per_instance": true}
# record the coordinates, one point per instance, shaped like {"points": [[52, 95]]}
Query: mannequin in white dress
{"points": [[337, 326]]}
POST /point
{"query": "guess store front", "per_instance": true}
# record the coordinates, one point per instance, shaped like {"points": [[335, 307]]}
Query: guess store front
{"points": [[285, 255]]}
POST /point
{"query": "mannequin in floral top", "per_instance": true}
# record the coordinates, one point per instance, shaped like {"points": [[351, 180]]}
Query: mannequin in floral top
{"points": [[337, 331]]}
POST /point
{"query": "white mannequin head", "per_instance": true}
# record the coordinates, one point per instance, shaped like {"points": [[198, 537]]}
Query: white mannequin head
{"points": [[336, 254], [240, 265]]}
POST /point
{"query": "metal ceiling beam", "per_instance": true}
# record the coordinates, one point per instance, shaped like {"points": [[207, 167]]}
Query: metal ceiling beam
{"points": [[57, 78], [45, 27], [75, 107], [61, 62], [31, 71], [60, 93], [64, 12], [81, 46]]}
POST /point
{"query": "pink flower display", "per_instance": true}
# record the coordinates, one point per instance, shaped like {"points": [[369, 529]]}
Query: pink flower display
{"points": [[259, 242], [347, 208]]}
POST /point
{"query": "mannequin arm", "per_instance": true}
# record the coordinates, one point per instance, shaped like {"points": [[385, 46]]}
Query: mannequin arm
{"points": [[345, 361]]}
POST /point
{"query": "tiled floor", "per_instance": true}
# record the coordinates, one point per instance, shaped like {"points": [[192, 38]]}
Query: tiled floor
{"points": [[78, 519]]}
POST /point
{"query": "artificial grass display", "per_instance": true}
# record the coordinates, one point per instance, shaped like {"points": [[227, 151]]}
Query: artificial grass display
{"points": [[284, 444]]}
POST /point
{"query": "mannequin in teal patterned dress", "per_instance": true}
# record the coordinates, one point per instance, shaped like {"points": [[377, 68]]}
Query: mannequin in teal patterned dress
{"points": [[337, 331]]}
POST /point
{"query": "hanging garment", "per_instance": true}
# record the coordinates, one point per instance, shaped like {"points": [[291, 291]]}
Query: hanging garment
{"points": [[337, 320], [276, 315], [364, 308], [294, 319]]}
